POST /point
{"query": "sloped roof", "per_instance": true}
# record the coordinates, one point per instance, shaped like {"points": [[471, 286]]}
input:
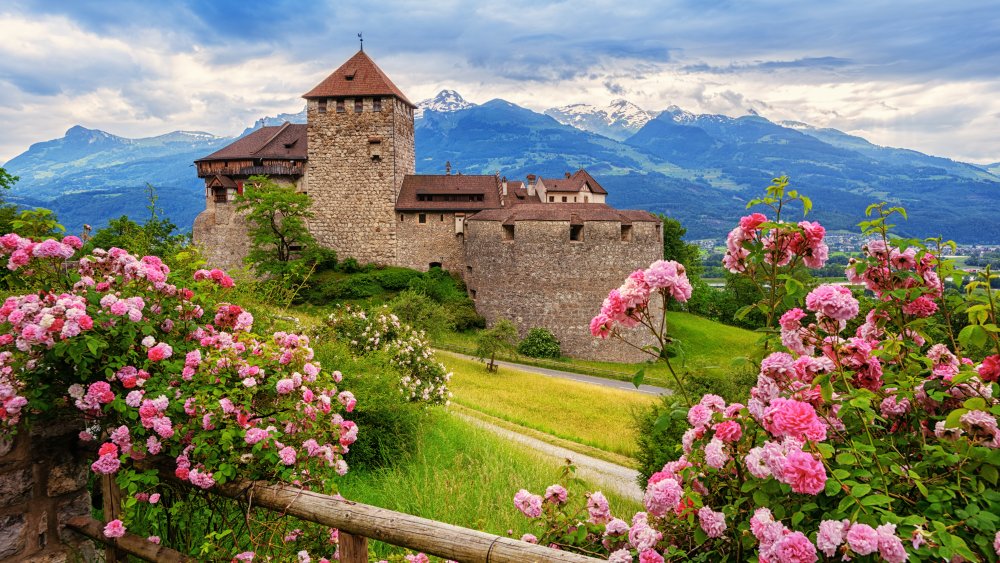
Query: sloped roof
{"points": [[572, 212], [447, 184], [359, 76], [286, 141], [574, 183], [519, 194], [224, 181]]}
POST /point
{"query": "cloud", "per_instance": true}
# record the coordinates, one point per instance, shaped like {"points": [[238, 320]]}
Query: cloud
{"points": [[858, 65]]}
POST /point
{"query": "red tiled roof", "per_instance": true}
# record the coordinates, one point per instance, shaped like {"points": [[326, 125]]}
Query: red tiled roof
{"points": [[286, 141], [574, 183], [447, 184], [359, 76], [572, 212]]}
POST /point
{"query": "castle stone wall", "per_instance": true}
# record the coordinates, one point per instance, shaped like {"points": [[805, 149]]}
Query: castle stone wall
{"points": [[542, 279], [220, 232], [354, 194], [421, 244]]}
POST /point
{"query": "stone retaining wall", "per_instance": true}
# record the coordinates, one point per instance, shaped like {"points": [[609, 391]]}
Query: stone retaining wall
{"points": [[43, 483]]}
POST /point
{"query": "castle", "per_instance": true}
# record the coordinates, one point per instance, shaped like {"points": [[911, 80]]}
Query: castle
{"points": [[543, 254]]}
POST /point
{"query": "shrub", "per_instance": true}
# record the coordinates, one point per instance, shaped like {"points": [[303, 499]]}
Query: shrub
{"points": [[357, 286], [464, 316], [395, 279], [539, 343], [661, 426], [114, 340], [440, 286], [350, 266], [850, 442], [423, 379], [421, 312], [388, 420]]}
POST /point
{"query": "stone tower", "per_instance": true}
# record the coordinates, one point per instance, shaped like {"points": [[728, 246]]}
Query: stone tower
{"points": [[360, 146]]}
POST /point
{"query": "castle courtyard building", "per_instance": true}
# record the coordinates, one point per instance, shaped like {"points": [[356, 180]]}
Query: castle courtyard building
{"points": [[543, 253]]}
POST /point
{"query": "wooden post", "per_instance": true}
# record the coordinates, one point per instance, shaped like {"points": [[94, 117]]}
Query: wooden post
{"points": [[111, 501], [353, 549]]}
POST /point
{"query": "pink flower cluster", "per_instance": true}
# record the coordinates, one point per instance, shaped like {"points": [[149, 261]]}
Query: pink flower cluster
{"points": [[22, 250], [889, 268], [215, 275], [530, 505], [780, 244], [861, 539], [626, 305]]}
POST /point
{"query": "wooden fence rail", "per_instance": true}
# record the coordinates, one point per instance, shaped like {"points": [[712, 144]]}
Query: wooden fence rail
{"points": [[129, 543], [357, 521]]}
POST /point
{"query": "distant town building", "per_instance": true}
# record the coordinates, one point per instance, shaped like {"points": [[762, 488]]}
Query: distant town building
{"points": [[543, 253]]}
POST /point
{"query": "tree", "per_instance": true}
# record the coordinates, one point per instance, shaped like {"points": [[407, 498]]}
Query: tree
{"points": [[281, 245], [501, 337], [155, 237], [8, 212], [674, 247]]}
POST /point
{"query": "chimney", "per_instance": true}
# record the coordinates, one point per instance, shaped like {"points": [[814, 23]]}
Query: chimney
{"points": [[447, 168], [568, 175], [503, 183], [531, 184]]}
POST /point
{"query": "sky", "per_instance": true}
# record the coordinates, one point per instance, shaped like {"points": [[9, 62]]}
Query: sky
{"points": [[908, 73]]}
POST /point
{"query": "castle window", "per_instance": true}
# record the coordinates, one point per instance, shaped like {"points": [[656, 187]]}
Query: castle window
{"points": [[508, 232], [377, 104], [340, 106], [574, 199], [626, 233], [564, 199], [586, 199], [376, 158], [422, 218], [552, 199], [400, 217], [359, 105], [576, 233], [442, 216], [321, 107], [473, 292]]}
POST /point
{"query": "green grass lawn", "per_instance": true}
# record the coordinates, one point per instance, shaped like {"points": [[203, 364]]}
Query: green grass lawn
{"points": [[705, 346], [579, 412], [465, 476]]}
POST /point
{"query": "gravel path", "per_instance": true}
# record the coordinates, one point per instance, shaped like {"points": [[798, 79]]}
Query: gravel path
{"points": [[606, 475], [613, 383]]}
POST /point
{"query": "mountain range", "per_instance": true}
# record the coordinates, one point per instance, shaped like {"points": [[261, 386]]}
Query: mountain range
{"points": [[700, 169]]}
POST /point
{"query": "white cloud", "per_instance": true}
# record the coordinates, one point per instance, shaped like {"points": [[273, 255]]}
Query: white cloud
{"points": [[151, 77]]}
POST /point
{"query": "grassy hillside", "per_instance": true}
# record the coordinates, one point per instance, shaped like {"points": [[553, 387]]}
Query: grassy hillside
{"points": [[465, 476], [704, 347], [579, 412]]}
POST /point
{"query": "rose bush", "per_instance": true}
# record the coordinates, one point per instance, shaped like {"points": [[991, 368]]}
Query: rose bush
{"points": [[423, 378], [157, 369], [875, 442]]}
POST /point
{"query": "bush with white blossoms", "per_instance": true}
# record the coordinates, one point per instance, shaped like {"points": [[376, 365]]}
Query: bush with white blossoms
{"points": [[872, 444], [423, 378], [156, 369]]}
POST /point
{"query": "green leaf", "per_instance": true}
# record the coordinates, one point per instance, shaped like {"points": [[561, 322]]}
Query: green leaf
{"points": [[846, 458], [952, 421], [873, 500], [662, 422], [861, 489], [638, 378]]}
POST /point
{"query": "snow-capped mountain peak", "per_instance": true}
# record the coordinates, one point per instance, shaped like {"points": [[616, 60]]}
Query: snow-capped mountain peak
{"points": [[445, 101], [618, 120]]}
